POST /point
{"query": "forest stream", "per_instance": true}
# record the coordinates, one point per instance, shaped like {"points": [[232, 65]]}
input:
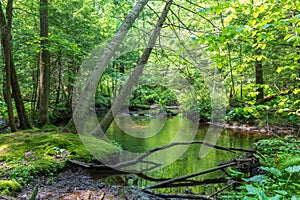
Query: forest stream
{"points": [[76, 182]]}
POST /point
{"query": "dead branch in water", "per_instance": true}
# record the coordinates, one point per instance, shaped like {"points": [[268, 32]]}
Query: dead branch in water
{"points": [[180, 196], [140, 159], [182, 178], [222, 189]]}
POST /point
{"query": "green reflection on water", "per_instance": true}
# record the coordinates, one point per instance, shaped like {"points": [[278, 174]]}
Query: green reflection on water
{"points": [[180, 129]]}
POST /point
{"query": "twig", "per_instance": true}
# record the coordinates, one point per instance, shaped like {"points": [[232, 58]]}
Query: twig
{"points": [[194, 183], [222, 189], [180, 196]]}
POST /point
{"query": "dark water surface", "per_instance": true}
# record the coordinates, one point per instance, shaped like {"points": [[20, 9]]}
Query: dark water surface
{"points": [[191, 160]]}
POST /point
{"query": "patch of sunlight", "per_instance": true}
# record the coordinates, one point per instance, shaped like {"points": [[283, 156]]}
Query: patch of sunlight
{"points": [[3, 148]]}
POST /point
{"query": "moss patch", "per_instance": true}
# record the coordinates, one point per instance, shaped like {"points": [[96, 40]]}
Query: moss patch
{"points": [[9, 186], [34, 153]]}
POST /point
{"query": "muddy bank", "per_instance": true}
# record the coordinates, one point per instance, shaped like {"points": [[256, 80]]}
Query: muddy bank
{"points": [[265, 129], [76, 183]]}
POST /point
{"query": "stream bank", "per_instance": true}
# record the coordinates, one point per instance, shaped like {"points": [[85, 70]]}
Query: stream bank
{"points": [[268, 129], [76, 183]]}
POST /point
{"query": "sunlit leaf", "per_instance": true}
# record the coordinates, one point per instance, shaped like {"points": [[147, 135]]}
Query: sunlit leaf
{"points": [[259, 58]]}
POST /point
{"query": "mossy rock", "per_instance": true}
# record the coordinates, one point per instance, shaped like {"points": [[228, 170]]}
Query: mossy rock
{"points": [[9, 186]]}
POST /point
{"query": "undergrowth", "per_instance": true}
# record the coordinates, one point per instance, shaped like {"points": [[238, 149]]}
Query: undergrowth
{"points": [[279, 176]]}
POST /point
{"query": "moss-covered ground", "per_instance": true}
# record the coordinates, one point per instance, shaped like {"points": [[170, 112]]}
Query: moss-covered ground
{"points": [[28, 154]]}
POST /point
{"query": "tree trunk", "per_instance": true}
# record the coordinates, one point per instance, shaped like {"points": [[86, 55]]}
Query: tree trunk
{"points": [[7, 83], [59, 86], [83, 101], [5, 42], [11, 75], [44, 87], [137, 72], [24, 120], [259, 81]]}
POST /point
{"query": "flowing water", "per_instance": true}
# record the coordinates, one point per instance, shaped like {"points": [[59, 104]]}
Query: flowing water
{"points": [[134, 136]]}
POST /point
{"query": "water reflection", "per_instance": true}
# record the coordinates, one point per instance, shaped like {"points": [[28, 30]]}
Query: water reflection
{"points": [[178, 129]]}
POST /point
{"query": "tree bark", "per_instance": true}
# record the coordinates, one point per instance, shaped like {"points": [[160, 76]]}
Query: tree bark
{"points": [[259, 81], [82, 101], [137, 72], [11, 75], [44, 86], [5, 42], [7, 85], [23, 117]]}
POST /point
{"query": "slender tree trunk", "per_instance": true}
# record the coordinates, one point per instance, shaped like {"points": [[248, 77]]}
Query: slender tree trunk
{"points": [[232, 90], [44, 86], [59, 79], [34, 100], [259, 81], [137, 72], [241, 73], [7, 83], [23, 117], [11, 75], [5, 42]]}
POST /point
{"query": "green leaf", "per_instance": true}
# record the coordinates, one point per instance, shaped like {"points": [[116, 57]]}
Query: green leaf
{"points": [[295, 198], [252, 190], [279, 69], [293, 169], [277, 197], [258, 178], [259, 58], [272, 170], [255, 14], [282, 192], [249, 198], [292, 38], [287, 36]]}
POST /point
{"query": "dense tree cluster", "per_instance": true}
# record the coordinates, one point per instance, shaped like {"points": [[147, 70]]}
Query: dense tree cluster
{"points": [[252, 46]]}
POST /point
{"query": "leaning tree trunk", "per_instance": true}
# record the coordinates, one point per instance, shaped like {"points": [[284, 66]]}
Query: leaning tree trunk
{"points": [[137, 72], [44, 86], [81, 102]]}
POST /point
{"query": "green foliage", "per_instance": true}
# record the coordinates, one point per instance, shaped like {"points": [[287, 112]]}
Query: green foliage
{"points": [[281, 167], [3, 109], [247, 114], [34, 193], [9, 186], [153, 94]]}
